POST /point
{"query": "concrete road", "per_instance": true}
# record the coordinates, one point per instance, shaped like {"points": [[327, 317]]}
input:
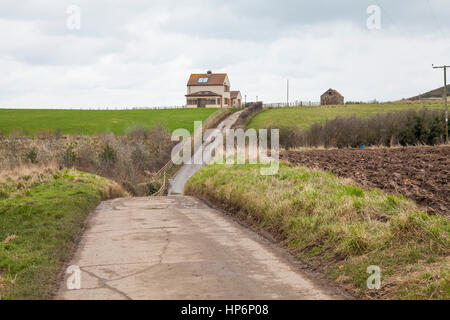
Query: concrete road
{"points": [[176, 183], [179, 248]]}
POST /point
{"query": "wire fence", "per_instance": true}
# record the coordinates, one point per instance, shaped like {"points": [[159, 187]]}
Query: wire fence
{"points": [[291, 104], [99, 108]]}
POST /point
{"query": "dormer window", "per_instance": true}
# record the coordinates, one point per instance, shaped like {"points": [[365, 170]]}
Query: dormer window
{"points": [[202, 80]]}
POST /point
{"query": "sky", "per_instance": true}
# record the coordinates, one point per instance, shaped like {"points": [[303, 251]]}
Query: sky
{"points": [[136, 53]]}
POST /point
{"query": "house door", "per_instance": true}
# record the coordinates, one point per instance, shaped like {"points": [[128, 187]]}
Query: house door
{"points": [[201, 103]]}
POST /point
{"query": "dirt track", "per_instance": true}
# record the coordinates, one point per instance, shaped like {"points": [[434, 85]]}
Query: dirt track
{"points": [[420, 173]]}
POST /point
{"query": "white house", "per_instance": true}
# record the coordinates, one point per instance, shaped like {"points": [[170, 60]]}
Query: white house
{"points": [[209, 90]]}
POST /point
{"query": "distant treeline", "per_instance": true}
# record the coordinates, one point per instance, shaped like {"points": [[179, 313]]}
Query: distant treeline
{"points": [[410, 127]]}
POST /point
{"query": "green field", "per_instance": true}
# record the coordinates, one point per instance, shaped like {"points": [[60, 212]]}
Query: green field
{"points": [[303, 117], [92, 122]]}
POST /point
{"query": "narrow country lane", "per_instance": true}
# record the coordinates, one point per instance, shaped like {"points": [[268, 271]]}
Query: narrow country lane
{"points": [[177, 247], [188, 170]]}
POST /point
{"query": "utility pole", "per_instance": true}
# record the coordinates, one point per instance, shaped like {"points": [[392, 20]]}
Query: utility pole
{"points": [[287, 94], [445, 98]]}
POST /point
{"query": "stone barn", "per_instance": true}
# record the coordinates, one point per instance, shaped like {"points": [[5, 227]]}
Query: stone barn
{"points": [[331, 96]]}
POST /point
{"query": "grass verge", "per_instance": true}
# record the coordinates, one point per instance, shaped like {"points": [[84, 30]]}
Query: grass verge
{"points": [[41, 216], [338, 227]]}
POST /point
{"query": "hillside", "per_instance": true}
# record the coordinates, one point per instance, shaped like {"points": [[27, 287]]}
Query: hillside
{"points": [[436, 93]]}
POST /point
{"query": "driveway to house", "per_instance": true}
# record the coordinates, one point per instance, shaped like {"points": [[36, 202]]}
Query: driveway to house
{"points": [[176, 184], [178, 247]]}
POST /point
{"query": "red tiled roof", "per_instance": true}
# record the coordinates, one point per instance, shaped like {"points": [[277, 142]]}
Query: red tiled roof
{"points": [[234, 94], [214, 79], [203, 94]]}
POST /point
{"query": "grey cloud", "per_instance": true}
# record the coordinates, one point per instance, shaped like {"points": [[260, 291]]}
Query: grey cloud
{"points": [[141, 52]]}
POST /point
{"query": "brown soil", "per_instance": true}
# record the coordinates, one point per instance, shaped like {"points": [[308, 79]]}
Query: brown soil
{"points": [[420, 173]]}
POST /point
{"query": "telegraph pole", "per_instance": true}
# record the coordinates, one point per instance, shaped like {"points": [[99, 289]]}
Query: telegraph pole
{"points": [[287, 94], [445, 98]]}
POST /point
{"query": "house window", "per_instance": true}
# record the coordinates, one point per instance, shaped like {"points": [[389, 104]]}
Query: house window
{"points": [[226, 88], [192, 101], [226, 100], [211, 101], [202, 80], [218, 101]]}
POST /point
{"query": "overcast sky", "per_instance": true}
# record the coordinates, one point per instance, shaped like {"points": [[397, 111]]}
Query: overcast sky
{"points": [[141, 52]]}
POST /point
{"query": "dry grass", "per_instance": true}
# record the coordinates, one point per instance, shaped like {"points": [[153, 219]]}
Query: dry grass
{"points": [[27, 169]]}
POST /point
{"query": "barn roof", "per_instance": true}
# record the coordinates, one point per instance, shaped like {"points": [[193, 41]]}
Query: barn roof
{"points": [[335, 92]]}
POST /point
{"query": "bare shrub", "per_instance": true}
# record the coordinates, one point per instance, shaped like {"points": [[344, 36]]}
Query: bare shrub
{"points": [[129, 160], [410, 127], [108, 159], [68, 158], [85, 158], [137, 132], [44, 134], [248, 114], [58, 133], [32, 156]]}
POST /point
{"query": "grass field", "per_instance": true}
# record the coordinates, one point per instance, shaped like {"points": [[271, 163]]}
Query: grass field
{"points": [[41, 215], [338, 227], [303, 117], [93, 122]]}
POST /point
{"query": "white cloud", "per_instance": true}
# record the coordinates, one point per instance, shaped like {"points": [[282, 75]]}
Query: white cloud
{"points": [[140, 53]]}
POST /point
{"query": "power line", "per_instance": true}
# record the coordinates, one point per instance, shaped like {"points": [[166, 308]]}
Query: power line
{"points": [[445, 98]]}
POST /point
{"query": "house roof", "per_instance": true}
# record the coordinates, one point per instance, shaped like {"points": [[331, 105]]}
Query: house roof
{"points": [[335, 92], [234, 94], [214, 79], [203, 94]]}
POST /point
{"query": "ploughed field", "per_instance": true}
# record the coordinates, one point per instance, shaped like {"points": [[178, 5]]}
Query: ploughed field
{"points": [[420, 173]]}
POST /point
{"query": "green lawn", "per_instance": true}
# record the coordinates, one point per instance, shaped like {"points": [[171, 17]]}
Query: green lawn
{"points": [[41, 215], [97, 121], [303, 117], [338, 227]]}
